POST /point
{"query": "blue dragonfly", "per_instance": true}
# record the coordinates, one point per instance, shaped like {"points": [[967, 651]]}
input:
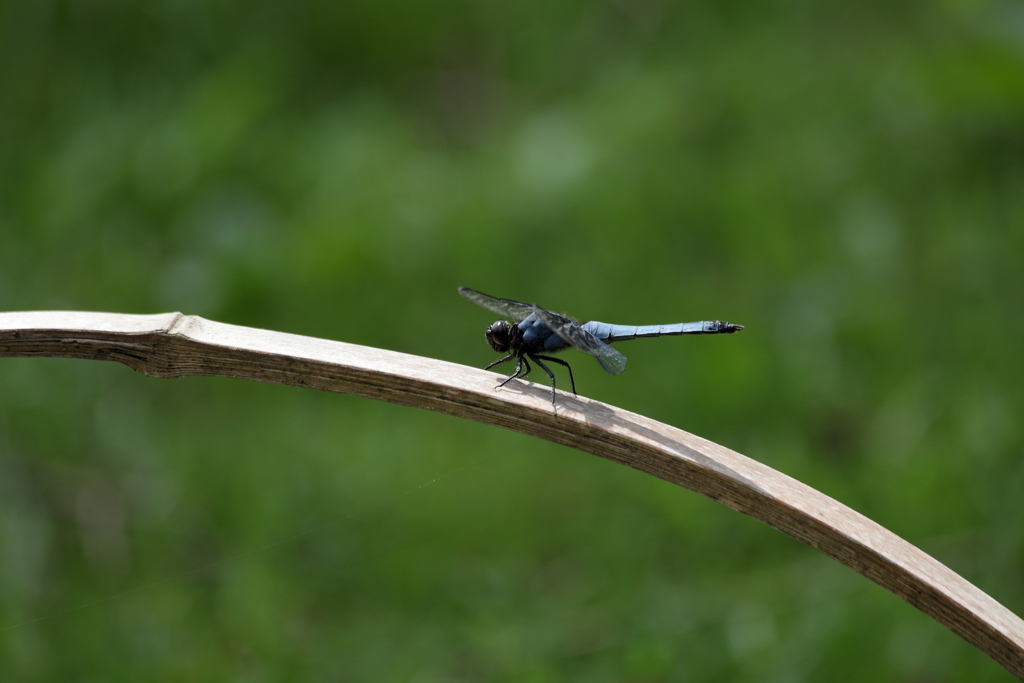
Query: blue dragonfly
{"points": [[538, 331]]}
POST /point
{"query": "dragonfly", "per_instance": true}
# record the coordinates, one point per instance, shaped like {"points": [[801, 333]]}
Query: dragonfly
{"points": [[537, 331]]}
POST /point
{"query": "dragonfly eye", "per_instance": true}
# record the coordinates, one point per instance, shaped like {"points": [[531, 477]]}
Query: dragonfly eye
{"points": [[498, 336]]}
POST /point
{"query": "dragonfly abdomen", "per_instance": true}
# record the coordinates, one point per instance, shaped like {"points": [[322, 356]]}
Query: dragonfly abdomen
{"points": [[614, 333]]}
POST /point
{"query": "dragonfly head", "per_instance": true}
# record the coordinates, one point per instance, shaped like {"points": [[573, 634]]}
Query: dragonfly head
{"points": [[501, 335]]}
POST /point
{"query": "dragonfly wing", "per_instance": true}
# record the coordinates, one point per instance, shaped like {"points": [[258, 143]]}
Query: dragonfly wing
{"points": [[510, 309], [611, 360]]}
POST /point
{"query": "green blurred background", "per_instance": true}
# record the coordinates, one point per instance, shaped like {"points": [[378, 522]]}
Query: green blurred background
{"points": [[845, 179]]}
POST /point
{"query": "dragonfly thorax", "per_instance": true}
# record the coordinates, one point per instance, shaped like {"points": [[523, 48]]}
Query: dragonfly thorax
{"points": [[502, 336]]}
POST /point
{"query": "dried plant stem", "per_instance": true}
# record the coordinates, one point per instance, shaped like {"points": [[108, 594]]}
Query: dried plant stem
{"points": [[173, 345]]}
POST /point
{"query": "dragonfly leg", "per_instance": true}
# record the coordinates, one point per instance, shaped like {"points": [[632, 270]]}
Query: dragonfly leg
{"points": [[520, 371], [500, 361], [538, 361], [562, 363]]}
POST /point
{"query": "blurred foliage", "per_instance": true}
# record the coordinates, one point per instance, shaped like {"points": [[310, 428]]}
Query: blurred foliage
{"points": [[845, 179]]}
